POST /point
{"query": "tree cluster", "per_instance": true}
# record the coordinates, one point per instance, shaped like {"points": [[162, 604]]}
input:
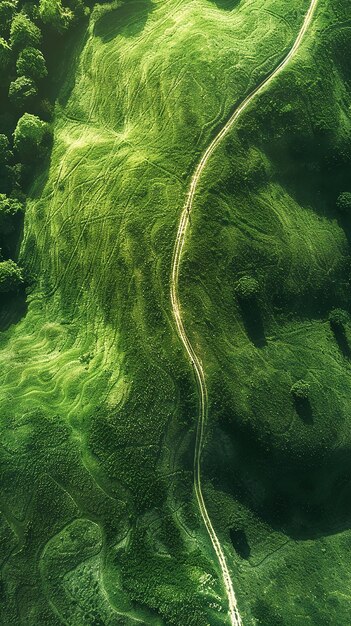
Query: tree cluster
{"points": [[28, 32]]}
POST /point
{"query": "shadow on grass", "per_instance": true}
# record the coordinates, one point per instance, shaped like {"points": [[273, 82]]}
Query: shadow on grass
{"points": [[240, 543], [344, 221], [304, 496], [63, 55], [13, 307], [304, 410], [253, 322], [341, 340], [128, 19], [226, 5]]}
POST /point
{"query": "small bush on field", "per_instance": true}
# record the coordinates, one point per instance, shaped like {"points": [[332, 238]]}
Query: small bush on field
{"points": [[338, 318], [247, 288], [300, 390], [343, 203]]}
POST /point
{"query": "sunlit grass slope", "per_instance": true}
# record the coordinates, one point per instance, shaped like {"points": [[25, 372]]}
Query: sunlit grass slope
{"points": [[98, 404], [279, 469]]}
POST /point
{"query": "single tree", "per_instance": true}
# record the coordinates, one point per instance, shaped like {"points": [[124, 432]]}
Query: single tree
{"points": [[55, 15], [24, 33], [11, 277], [343, 203], [28, 137], [247, 288], [300, 390], [22, 92], [10, 208], [31, 63], [338, 319], [7, 11]]}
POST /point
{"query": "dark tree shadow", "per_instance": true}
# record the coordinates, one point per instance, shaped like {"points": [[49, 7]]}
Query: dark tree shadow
{"points": [[226, 5], [62, 74], [304, 410], [13, 307], [304, 497], [128, 20], [253, 322], [11, 242], [341, 340], [240, 543], [344, 221]]}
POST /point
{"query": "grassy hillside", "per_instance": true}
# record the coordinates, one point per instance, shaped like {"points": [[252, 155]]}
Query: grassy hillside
{"points": [[98, 403], [279, 466]]}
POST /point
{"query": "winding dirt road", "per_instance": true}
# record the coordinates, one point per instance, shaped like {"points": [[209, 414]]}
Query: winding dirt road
{"points": [[184, 223]]}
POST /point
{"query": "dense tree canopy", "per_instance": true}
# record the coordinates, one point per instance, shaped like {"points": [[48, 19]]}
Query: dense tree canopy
{"points": [[29, 33], [24, 33], [5, 152], [22, 92], [11, 277], [55, 15], [10, 208], [31, 63], [28, 136], [7, 12], [5, 54]]}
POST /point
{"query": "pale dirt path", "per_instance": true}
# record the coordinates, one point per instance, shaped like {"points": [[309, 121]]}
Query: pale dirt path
{"points": [[234, 614]]}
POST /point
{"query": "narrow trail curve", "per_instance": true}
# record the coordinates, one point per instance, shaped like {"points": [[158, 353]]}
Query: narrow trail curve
{"points": [[234, 614]]}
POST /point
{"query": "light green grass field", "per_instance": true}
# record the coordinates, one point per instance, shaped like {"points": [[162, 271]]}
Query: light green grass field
{"points": [[97, 399]]}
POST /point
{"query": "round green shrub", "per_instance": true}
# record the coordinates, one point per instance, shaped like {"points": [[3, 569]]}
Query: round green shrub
{"points": [[343, 203], [22, 91], [11, 277], [31, 63], [9, 209], [338, 318], [28, 137], [300, 390], [247, 288]]}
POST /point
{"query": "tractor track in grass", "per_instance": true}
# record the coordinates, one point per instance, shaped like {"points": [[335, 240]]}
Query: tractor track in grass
{"points": [[184, 223]]}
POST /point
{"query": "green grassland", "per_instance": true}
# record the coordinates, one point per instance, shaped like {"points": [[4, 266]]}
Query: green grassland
{"points": [[98, 520], [278, 471]]}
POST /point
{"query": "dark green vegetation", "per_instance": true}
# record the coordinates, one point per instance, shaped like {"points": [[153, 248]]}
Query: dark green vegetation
{"points": [[300, 390], [343, 202], [10, 276], [247, 288], [99, 525], [29, 32]]}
